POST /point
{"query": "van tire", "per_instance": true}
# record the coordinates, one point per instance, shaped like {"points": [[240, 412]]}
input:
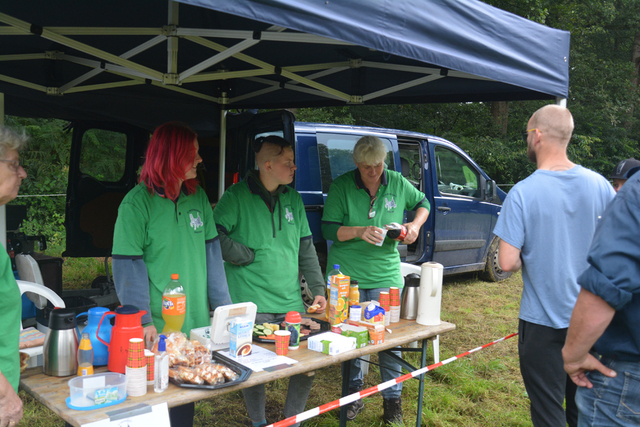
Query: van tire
{"points": [[492, 271]]}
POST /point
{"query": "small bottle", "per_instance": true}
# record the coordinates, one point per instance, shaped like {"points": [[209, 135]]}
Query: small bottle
{"points": [[354, 293], [334, 272], [161, 367], [85, 356], [396, 231], [174, 305]]}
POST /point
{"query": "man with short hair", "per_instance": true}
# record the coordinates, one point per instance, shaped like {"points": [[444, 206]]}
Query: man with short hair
{"points": [[623, 171], [607, 314], [266, 240], [546, 226]]}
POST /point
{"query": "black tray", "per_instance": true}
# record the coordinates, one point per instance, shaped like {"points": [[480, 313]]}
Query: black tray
{"points": [[324, 327], [218, 358]]}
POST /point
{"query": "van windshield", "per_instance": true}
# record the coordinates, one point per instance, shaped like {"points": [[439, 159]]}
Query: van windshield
{"points": [[335, 152]]}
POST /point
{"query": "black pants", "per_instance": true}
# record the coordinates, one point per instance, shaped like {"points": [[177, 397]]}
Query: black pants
{"points": [[182, 416], [542, 369]]}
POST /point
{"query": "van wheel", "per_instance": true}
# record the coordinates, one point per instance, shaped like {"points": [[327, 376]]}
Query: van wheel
{"points": [[492, 271]]}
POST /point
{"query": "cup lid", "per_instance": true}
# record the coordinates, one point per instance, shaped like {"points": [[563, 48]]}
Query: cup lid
{"points": [[293, 317]]}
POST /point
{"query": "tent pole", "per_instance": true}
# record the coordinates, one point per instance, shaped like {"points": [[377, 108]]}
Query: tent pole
{"points": [[561, 101], [3, 208], [223, 146]]}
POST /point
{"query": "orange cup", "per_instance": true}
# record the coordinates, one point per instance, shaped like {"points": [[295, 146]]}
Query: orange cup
{"points": [[282, 342], [385, 301], [135, 356], [394, 294]]}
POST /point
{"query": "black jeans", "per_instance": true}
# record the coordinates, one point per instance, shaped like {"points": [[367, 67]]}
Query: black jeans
{"points": [[542, 369]]}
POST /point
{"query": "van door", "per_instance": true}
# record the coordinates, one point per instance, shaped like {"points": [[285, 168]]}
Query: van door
{"points": [[103, 167], [462, 217]]}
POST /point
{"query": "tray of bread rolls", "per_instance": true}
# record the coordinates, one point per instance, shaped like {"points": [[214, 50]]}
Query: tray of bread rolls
{"points": [[192, 365]]}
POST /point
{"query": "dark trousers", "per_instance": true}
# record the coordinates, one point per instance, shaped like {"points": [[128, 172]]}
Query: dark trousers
{"points": [[182, 416], [542, 369]]}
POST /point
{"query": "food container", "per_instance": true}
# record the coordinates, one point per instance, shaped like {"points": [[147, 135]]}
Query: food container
{"points": [[98, 389], [331, 343]]}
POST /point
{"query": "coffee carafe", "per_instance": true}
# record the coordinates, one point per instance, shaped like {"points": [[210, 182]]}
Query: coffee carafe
{"points": [[61, 344], [128, 325], [100, 351], [410, 297]]}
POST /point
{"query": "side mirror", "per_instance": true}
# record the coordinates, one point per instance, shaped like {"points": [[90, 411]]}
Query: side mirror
{"points": [[489, 189]]}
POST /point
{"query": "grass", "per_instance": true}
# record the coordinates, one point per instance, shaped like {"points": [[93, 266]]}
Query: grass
{"points": [[479, 390]]}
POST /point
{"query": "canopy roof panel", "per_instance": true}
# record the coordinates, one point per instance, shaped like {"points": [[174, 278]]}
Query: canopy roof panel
{"points": [[150, 61]]}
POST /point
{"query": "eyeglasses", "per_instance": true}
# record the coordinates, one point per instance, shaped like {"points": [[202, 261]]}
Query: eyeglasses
{"points": [[525, 135], [14, 165]]}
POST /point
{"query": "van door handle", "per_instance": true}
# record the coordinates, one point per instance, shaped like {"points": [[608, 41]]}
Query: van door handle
{"points": [[444, 208]]}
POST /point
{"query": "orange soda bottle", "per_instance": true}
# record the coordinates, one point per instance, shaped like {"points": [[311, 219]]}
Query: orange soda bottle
{"points": [[174, 305], [85, 356]]}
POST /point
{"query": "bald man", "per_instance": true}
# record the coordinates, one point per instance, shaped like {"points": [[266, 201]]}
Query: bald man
{"points": [[265, 240], [546, 226]]}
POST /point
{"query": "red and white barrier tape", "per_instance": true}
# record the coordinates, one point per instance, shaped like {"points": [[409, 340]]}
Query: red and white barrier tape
{"points": [[373, 390]]}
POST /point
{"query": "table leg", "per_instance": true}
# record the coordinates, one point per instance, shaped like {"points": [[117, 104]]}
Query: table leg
{"points": [[346, 374], [423, 363]]}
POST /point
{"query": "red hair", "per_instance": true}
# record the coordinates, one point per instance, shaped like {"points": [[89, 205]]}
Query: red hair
{"points": [[170, 154]]}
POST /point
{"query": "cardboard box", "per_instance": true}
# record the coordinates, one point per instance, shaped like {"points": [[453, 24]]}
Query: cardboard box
{"points": [[376, 335], [339, 299], [240, 336], [331, 343], [361, 334]]}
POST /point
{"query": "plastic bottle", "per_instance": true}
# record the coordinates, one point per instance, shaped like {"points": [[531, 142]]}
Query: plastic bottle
{"points": [[85, 356], [335, 272], [161, 367], [354, 293], [174, 305]]}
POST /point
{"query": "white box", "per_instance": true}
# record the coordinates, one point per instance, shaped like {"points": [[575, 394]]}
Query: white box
{"points": [[331, 343]]}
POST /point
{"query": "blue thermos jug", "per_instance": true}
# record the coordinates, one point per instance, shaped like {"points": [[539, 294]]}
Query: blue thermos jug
{"points": [[100, 351]]}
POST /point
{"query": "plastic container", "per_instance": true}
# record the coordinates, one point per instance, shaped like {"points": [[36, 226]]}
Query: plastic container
{"points": [[85, 356], [161, 370], [336, 271], [174, 304], [97, 389]]}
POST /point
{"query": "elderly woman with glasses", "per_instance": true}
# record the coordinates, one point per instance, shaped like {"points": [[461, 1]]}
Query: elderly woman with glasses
{"points": [[11, 176], [360, 203]]}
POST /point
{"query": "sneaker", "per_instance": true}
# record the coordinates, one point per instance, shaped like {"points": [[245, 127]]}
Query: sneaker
{"points": [[353, 409], [392, 411]]}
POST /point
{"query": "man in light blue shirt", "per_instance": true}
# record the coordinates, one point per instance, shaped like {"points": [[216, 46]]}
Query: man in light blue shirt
{"points": [[546, 226]]}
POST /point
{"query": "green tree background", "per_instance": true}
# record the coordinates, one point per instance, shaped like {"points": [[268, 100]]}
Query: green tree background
{"points": [[603, 97]]}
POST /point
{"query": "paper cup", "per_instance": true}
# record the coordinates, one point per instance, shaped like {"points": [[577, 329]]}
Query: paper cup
{"points": [[151, 363], [394, 295], [385, 301], [384, 234], [395, 314], [282, 342], [136, 381], [135, 356]]}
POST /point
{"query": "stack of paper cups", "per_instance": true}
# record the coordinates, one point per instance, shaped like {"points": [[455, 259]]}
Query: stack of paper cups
{"points": [[151, 363], [394, 294], [136, 369], [385, 302]]}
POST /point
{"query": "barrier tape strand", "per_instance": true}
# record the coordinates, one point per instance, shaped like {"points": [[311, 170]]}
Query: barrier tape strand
{"points": [[377, 388]]}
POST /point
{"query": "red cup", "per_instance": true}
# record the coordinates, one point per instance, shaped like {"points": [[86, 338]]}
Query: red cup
{"points": [[135, 356], [151, 363], [394, 294], [385, 301], [282, 342]]}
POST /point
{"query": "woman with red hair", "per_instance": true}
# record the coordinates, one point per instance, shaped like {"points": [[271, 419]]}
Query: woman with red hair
{"points": [[165, 226]]}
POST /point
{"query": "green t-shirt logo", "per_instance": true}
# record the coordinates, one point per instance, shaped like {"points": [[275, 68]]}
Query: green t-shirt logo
{"points": [[389, 204], [195, 221], [288, 214]]}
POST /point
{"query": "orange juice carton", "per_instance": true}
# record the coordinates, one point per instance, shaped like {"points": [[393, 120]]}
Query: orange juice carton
{"points": [[361, 334], [331, 343], [240, 336], [339, 299], [374, 314], [376, 335]]}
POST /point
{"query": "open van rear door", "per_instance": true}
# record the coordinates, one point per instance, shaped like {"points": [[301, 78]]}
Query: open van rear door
{"points": [[103, 167]]}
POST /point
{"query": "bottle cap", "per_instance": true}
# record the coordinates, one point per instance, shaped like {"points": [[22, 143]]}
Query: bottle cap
{"points": [[336, 266], [354, 283], [293, 317], [162, 346], [175, 276]]}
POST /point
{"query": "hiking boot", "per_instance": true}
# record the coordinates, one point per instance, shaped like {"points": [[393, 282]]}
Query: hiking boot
{"points": [[353, 409], [392, 411]]}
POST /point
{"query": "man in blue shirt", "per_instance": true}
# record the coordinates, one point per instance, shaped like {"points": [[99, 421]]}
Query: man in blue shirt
{"points": [[546, 226], [606, 317]]}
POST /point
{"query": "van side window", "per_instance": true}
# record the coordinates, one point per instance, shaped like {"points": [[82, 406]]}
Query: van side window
{"points": [[455, 174], [336, 156], [103, 154]]}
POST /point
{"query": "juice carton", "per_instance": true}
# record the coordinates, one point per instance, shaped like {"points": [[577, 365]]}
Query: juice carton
{"points": [[374, 314], [360, 333], [339, 299], [331, 343], [240, 336], [376, 335]]}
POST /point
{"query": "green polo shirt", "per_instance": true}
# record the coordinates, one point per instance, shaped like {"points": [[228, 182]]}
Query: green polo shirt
{"points": [[273, 231], [10, 315], [170, 238], [348, 204]]}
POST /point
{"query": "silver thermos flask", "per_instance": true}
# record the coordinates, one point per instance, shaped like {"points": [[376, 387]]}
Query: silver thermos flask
{"points": [[410, 297], [61, 344]]}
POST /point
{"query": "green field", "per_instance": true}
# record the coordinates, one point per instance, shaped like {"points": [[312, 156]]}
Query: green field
{"points": [[484, 389]]}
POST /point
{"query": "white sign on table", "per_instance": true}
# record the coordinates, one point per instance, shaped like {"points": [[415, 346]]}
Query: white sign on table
{"points": [[260, 359], [141, 415]]}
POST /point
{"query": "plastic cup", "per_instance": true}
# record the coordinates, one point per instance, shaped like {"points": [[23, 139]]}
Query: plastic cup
{"points": [[384, 234], [292, 320], [282, 342], [135, 356]]}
